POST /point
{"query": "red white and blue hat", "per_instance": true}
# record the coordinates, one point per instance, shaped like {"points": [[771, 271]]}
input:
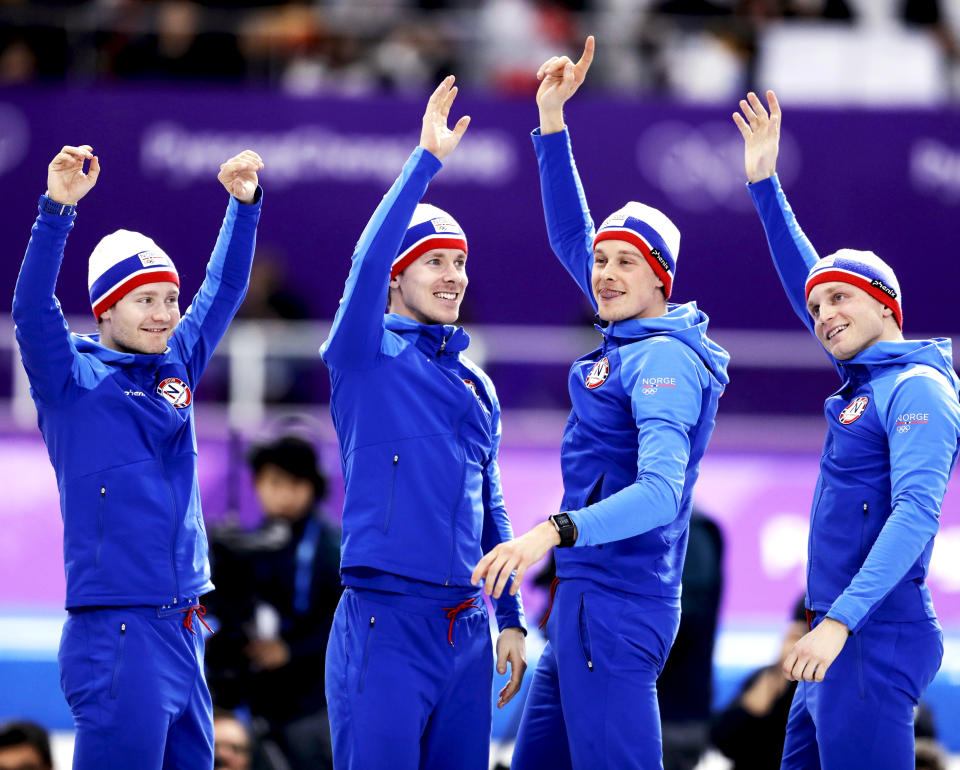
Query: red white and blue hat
{"points": [[649, 229], [430, 228], [862, 269], [120, 263]]}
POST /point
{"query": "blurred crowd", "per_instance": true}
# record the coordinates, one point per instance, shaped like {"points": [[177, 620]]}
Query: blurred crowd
{"points": [[693, 49]]}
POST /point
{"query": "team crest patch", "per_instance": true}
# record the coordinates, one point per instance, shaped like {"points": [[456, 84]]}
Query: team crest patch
{"points": [[176, 391], [598, 375], [853, 410]]}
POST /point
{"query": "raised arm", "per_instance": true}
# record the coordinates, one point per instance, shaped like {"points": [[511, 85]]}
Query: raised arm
{"points": [[793, 255], [228, 271], [358, 325], [569, 224], [49, 356]]}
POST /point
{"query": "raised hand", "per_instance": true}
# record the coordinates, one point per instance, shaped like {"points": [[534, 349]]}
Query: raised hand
{"points": [[435, 136], [559, 80], [761, 135], [66, 182], [239, 175]]}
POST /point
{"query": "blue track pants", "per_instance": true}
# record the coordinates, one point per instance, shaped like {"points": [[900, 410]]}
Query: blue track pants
{"points": [[133, 677], [860, 717], [399, 694], [593, 701]]}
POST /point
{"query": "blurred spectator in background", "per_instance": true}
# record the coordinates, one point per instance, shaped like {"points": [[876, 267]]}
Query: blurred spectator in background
{"points": [[277, 589], [24, 746], [270, 295], [751, 730], [235, 747], [232, 745], [684, 688]]}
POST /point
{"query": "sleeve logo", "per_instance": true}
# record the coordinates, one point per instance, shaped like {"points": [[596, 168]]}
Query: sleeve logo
{"points": [[651, 385], [598, 375], [853, 410], [905, 420], [176, 391]]}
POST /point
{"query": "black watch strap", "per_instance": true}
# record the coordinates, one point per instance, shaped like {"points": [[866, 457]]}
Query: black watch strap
{"points": [[566, 529], [50, 206]]}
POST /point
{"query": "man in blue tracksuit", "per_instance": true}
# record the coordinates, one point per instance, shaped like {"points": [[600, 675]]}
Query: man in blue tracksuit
{"points": [[892, 440], [643, 411], [409, 667], [116, 413]]}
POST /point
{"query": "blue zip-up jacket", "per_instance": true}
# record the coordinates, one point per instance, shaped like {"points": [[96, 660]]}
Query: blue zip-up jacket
{"points": [[125, 457], [892, 440], [418, 424], [644, 405]]}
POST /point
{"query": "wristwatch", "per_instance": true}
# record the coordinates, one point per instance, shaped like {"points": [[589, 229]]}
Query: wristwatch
{"points": [[50, 206], [566, 529]]}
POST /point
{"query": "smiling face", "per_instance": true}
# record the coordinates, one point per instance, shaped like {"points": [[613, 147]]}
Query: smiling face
{"points": [[430, 289], [624, 284], [847, 320], [143, 320]]}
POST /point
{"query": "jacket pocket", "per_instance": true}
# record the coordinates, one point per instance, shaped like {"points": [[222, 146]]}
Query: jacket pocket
{"points": [[393, 484], [584, 629], [366, 653], [100, 506], [118, 665]]}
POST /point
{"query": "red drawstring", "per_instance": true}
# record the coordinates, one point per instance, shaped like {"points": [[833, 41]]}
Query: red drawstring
{"points": [[553, 592], [452, 613], [200, 611], [811, 616]]}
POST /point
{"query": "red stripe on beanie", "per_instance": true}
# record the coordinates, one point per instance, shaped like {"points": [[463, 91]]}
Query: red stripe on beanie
{"points": [[136, 281], [633, 238], [423, 247], [861, 282]]}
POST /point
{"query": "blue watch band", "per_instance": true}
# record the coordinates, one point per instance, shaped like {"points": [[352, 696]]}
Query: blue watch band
{"points": [[50, 206]]}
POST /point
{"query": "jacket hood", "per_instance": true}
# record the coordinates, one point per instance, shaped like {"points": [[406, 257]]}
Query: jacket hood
{"points": [[687, 323], [90, 344], [936, 353], [430, 334]]}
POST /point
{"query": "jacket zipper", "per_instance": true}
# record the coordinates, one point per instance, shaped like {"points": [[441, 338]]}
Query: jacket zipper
{"points": [[463, 472], [863, 531], [103, 494], [813, 516], [173, 541], [393, 481]]}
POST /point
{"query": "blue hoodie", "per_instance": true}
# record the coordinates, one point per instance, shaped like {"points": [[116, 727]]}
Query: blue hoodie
{"points": [[893, 431], [418, 425], [644, 405], [125, 456]]}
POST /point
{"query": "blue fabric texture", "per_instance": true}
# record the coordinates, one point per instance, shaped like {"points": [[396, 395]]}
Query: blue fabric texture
{"points": [[125, 453], [418, 425], [134, 682], [391, 708], [860, 717], [593, 701]]}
